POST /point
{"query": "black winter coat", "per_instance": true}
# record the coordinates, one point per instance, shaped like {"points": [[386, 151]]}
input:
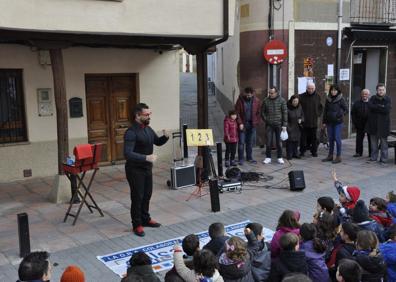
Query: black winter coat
{"points": [[345, 252], [359, 114], [141, 273], [216, 245], [378, 118], [293, 127], [374, 268], [335, 109], [312, 108], [289, 261]]}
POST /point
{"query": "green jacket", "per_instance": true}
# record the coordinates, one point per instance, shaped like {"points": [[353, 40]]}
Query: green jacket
{"points": [[274, 111]]}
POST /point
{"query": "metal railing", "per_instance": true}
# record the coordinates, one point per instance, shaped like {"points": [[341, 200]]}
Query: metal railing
{"points": [[373, 12]]}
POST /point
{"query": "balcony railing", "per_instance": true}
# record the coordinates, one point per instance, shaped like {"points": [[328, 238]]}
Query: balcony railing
{"points": [[373, 12]]}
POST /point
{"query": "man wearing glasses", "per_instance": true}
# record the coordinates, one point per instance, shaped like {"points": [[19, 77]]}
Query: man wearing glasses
{"points": [[138, 151]]}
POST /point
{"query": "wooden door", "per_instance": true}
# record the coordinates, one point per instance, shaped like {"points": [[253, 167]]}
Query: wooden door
{"points": [[110, 99]]}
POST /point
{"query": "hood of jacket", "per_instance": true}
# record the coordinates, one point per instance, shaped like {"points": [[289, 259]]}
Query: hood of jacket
{"points": [[309, 249], [294, 261], [374, 264]]}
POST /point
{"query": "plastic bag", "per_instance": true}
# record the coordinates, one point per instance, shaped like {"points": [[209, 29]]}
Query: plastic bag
{"points": [[284, 135]]}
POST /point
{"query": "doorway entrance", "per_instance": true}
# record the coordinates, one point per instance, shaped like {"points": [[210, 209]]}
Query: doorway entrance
{"points": [[110, 98], [369, 64]]}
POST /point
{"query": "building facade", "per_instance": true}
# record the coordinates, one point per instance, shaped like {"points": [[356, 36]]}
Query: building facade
{"points": [[309, 28], [113, 55]]}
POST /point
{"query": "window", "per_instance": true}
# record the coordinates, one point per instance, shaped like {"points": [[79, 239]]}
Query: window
{"points": [[12, 107]]}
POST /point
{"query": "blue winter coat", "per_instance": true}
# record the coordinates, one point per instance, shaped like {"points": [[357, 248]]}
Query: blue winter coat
{"points": [[317, 269], [372, 225], [261, 263], [391, 207], [388, 251]]}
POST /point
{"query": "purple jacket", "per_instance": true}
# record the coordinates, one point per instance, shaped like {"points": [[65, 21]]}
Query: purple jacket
{"points": [[275, 247], [317, 269]]}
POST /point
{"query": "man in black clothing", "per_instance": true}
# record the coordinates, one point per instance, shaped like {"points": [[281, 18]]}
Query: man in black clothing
{"points": [[312, 107], [359, 115], [138, 151]]}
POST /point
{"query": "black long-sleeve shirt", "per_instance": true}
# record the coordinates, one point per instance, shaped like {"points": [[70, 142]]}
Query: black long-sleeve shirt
{"points": [[138, 143]]}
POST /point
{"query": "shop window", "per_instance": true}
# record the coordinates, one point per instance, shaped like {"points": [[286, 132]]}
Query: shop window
{"points": [[12, 107]]}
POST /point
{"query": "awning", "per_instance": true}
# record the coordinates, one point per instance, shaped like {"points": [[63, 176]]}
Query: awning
{"points": [[379, 35]]}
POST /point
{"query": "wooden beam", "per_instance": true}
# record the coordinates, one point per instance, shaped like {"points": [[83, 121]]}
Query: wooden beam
{"points": [[58, 73]]}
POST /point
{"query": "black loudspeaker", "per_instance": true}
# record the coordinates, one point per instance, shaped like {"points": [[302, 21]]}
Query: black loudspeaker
{"points": [[296, 180], [23, 232], [219, 149], [214, 195]]}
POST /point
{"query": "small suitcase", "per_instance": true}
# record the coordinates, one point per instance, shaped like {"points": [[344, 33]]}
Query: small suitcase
{"points": [[182, 174]]}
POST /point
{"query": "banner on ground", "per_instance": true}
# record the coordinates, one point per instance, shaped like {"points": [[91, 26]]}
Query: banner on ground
{"points": [[161, 253]]}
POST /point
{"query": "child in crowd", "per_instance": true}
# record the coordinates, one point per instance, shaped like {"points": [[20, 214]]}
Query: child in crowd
{"points": [[217, 238], [388, 250], [261, 263], [348, 196], [291, 259], [72, 273], [315, 250], [347, 247], [205, 266], [140, 269], [378, 212], [190, 245], [230, 137], [327, 231], [391, 205], [235, 263], [360, 216], [368, 256], [349, 271], [288, 222]]}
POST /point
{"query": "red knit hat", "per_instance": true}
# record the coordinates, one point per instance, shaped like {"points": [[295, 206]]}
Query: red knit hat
{"points": [[72, 274]]}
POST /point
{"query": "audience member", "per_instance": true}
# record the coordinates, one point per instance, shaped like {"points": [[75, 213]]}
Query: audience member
{"points": [[235, 263], [261, 263], [190, 245], [391, 205], [368, 256], [217, 238], [360, 216], [315, 251], [35, 267], [288, 222], [72, 273], [379, 213], [291, 259], [140, 269], [205, 266], [349, 271], [388, 250]]}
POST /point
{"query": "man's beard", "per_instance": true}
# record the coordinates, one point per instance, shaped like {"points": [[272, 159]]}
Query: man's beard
{"points": [[146, 122], [247, 98]]}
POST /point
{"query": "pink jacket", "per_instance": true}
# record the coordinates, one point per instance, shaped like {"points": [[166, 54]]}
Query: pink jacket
{"points": [[275, 246], [230, 130]]}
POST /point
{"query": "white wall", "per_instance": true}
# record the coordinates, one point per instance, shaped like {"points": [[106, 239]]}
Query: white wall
{"points": [[159, 87], [154, 17]]}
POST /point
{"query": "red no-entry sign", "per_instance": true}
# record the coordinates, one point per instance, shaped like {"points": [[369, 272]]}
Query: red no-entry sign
{"points": [[275, 52]]}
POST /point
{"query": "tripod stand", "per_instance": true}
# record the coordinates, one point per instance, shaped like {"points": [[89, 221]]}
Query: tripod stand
{"points": [[199, 164]]}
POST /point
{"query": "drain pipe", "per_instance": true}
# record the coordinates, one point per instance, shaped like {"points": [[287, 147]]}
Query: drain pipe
{"points": [[339, 39]]}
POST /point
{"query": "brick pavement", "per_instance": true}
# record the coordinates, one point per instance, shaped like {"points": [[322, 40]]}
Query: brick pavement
{"points": [[94, 235]]}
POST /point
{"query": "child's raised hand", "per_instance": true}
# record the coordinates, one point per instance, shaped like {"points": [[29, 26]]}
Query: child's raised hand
{"points": [[334, 174], [177, 248]]}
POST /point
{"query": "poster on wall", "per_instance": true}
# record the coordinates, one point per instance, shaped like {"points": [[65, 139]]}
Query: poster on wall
{"points": [[344, 74], [308, 67]]}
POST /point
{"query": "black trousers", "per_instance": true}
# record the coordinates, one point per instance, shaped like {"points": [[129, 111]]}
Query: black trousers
{"points": [[309, 140], [141, 186], [359, 141], [291, 149], [230, 151]]}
